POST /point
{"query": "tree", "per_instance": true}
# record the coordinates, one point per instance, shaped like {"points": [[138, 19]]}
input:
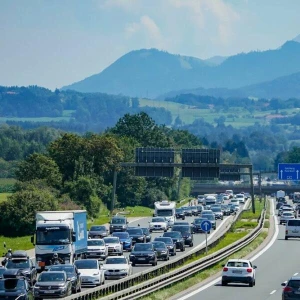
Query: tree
{"points": [[39, 166], [293, 156]]}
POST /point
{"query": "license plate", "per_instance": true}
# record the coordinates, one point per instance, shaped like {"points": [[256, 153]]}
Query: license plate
{"points": [[49, 292], [295, 231], [141, 258], [297, 293], [237, 271], [41, 263]]}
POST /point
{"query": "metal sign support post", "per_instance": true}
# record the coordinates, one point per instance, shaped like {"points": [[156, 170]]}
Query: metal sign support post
{"points": [[206, 242], [114, 192], [252, 189]]}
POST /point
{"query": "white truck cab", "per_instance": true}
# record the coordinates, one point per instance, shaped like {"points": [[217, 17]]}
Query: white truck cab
{"points": [[165, 209]]}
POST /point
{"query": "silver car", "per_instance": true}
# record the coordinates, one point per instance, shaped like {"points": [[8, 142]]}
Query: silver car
{"points": [[286, 216]]}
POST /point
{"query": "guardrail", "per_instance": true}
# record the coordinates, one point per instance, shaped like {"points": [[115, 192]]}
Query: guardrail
{"points": [[149, 280]]}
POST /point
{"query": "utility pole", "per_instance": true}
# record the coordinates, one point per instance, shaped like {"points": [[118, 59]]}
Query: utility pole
{"points": [[252, 189], [113, 192]]}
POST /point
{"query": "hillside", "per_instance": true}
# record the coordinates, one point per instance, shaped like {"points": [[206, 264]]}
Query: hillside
{"points": [[149, 73]]}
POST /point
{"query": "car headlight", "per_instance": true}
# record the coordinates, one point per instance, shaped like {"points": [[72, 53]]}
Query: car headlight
{"points": [[171, 247], [96, 273], [131, 255], [151, 255], [189, 238], [163, 252], [140, 238], [123, 270]]}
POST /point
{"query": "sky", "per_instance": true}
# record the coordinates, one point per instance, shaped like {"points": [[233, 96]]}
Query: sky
{"points": [[53, 43]]}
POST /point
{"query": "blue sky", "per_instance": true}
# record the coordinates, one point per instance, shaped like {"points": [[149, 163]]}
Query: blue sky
{"points": [[53, 43]]}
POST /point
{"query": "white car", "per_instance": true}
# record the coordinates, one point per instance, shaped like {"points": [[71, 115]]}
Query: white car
{"points": [[286, 216], [114, 246], [240, 197], [96, 248], [292, 229], [158, 224], [284, 208], [91, 272], [239, 271], [117, 267]]}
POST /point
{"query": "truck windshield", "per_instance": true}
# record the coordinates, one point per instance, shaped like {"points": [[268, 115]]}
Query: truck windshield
{"points": [[53, 236], [164, 212]]}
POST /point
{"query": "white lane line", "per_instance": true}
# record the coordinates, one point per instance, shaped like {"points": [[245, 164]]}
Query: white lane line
{"points": [[295, 274], [252, 259], [273, 292]]}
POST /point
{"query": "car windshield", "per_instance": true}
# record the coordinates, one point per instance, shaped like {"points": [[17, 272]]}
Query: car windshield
{"points": [[86, 264], [209, 217], [179, 210], [199, 221], [135, 231], [12, 284], [193, 207], [173, 234], [121, 235], [52, 236], [95, 243], [157, 244], [181, 228], [111, 240], [98, 228], [118, 221], [52, 276], [166, 240], [216, 209], [294, 284], [116, 260], [287, 214], [237, 264], [143, 247], [68, 269], [157, 220], [146, 231], [165, 212], [17, 264]]}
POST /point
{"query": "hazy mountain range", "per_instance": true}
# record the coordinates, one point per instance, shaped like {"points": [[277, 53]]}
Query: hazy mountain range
{"points": [[151, 73]]}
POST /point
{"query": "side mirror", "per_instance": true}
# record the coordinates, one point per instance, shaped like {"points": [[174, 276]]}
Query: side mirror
{"points": [[223, 265], [254, 267], [74, 237], [283, 284], [31, 239], [127, 222], [78, 273]]}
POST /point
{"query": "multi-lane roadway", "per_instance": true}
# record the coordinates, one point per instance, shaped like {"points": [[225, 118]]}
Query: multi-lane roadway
{"points": [[275, 264]]}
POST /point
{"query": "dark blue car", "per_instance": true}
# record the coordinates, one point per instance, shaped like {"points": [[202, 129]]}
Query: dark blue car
{"points": [[125, 239]]}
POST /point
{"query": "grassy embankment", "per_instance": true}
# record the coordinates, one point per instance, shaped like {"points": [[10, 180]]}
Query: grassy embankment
{"points": [[240, 229]]}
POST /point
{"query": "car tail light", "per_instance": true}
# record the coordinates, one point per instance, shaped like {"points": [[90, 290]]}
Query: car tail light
{"points": [[287, 289], [286, 231], [225, 269], [249, 270]]}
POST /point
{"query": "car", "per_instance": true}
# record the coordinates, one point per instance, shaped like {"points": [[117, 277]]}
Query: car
{"points": [[125, 239], [118, 223], [177, 238], [52, 284], [226, 197], [239, 271], [240, 197], [98, 231], [181, 223], [200, 199], [212, 220], [229, 193], [292, 229], [283, 209], [24, 264], [158, 224], [217, 210], [199, 208], [169, 243], [114, 246], [233, 208], [279, 204], [286, 216], [196, 225], [143, 254], [90, 271], [2, 270], [194, 210], [226, 209], [72, 274], [179, 213], [96, 248], [207, 212], [15, 288], [220, 199], [117, 267], [161, 250], [136, 234], [147, 233], [186, 232], [187, 210], [291, 288]]}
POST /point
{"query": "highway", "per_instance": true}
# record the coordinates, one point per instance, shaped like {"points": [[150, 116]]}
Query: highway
{"points": [[274, 266]]}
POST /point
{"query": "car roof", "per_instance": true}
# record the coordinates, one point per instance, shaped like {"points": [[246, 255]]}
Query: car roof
{"points": [[239, 260], [295, 278], [121, 256]]}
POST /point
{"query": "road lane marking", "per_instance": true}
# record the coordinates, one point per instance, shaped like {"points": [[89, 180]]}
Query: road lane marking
{"points": [[295, 274], [252, 259], [273, 292]]}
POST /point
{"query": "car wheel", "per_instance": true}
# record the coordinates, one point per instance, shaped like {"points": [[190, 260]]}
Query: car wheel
{"points": [[224, 283], [286, 238], [208, 232], [133, 264], [191, 244], [251, 284], [79, 288], [165, 230], [150, 230]]}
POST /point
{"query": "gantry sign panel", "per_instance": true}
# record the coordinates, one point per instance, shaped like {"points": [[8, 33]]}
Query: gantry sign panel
{"points": [[230, 173]]}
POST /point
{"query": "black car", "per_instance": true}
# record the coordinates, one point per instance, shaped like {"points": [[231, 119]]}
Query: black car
{"points": [[161, 250], [179, 213], [15, 288], [143, 254], [291, 288], [169, 243], [199, 209], [25, 265], [212, 220], [52, 284], [177, 239], [226, 210], [147, 234], [118, 224], [279, 204], [136, 234], [194, 210], [217, 210], [186, 232], [187, 210], [197, 225], [72, 273], [98, 231]]}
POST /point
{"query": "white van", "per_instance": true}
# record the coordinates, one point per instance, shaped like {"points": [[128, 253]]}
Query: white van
{"points": [[292, 229]]}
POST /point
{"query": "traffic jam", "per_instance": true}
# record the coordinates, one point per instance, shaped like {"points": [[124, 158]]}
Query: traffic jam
{"points": [[68, 257]]}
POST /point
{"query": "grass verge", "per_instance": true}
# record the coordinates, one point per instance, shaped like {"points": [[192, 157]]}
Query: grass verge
{"points": [[202, 275], [15, 243], [3, 196]]}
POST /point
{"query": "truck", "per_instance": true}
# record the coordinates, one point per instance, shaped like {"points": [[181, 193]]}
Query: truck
{"points": [[280, 194], [61, 232], [165, 209]]}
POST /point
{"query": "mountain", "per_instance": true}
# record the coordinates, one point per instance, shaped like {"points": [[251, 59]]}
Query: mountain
{"points": [[297, 39], [215, 60], [149, 73]]}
